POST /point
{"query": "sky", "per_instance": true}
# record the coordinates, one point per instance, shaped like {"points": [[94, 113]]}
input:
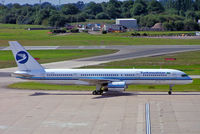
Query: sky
{"points": [[55, 2]]}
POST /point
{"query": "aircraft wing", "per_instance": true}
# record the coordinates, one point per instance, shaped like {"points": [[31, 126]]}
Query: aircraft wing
{"points": [[98, 80]]}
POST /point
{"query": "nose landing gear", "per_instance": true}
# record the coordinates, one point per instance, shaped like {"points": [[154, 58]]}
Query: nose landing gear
{"points": [[170, 89]]}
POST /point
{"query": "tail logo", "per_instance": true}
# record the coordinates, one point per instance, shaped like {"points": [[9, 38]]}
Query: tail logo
{"points": [[22, 57]]}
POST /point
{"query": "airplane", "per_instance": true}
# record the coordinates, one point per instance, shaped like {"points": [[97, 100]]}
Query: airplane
{"points": [[104, 79]]}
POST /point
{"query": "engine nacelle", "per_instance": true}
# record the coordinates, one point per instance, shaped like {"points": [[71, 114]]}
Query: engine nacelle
{"points": [[117, 86]]}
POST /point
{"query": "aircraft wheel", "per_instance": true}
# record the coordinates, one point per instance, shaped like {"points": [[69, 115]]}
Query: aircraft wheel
{"points": [[105, 89], [100, 92], [97, 92], [94, 92], [170, 92]]}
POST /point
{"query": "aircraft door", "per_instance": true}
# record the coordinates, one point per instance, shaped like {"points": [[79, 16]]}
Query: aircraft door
{"points": [[137, 74], [174, 74], [75, 75]]}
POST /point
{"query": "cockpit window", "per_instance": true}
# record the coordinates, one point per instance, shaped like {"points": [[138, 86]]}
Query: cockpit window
{"points": [[184, 75]]}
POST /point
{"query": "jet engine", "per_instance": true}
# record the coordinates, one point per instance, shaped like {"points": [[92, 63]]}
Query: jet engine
{"points": [[117, 86]]}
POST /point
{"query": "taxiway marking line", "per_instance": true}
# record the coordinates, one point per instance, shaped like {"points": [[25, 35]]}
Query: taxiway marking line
{"points": [[148, 121]]}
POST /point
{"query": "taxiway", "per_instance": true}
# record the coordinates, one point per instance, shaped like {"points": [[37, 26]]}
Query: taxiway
{"points": [[75, 112], [125, 52]]}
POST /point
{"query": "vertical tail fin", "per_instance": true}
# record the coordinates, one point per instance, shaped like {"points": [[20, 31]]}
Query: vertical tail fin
{"points": [[24, 60]]}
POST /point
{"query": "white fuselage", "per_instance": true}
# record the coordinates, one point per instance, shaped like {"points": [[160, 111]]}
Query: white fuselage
{"points": [[104, 79], [129, 76]]}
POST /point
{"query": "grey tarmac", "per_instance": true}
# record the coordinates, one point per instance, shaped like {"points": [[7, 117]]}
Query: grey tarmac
{"points": [[75, 112]]}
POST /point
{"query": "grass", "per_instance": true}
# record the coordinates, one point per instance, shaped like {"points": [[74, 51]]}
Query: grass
{"points": [[46, 56], [43, 86], [17, 26], [188, 62], [157, 33], [42, 38], [194, 87]]}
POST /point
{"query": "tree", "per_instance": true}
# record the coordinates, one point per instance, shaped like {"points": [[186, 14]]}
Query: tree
{"points": [[2, 12], [126, 7], [57, 20], [102, 15], [115, 3], [16, 6], [80, 5], [41, 15], [84, 14], [190, 14], [113, 9], [93, 8], [162, 18], [155, 7], [148, 12], [74, 18], [179, 25], [169, 26], [47, 5], [197, 5], [79, 18], [190, 25], [197, 14], [170, 4], [2, 7], [139, 8], [183, 4], [9, 18], [148, 20], [69, 9]]}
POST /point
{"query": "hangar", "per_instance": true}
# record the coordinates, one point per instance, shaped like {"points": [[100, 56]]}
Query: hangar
{"points": [[128, 23]]}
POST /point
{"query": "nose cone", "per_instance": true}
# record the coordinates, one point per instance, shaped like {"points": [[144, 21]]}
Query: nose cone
{"points": [[189, 80]]}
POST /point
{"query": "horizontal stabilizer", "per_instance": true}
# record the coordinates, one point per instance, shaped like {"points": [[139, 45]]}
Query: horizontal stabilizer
{"points": [[21, 75]]}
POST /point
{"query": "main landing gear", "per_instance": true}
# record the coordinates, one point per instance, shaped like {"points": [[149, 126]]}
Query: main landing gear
{"points": [[170, 89], [98, 90], [95, 92]]}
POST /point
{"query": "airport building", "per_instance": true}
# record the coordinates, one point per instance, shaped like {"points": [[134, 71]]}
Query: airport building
{"points": [[114, 28], [128, 23]]}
